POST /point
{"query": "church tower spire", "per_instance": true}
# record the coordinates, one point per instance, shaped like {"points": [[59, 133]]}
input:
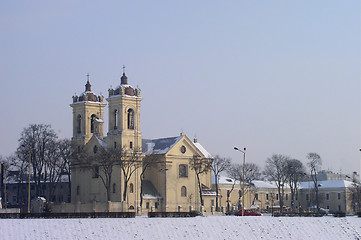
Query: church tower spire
{"points": [[88, 113]]}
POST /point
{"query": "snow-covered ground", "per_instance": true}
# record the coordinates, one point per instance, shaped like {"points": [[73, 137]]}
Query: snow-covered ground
{"points": [[212, 227]]}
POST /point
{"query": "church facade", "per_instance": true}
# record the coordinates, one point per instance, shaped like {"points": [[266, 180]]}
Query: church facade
{"points": [[126, 172]]}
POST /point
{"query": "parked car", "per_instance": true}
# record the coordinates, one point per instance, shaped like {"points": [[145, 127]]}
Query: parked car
{"points": [[248, 213], [232, 213]]}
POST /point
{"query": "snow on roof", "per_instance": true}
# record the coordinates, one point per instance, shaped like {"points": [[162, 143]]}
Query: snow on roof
{"points": [[224, 180], [264, 184], [327, 184], [159, 146], [202, 150], [101, 142]]}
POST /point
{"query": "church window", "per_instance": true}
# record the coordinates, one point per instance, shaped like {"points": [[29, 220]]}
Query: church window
{"points": [[115, 119], [147, 205], [114, 188], [183, 191], [79, 124], [131, 188], [183, 149], [96, 172], [115, 145], [92, 123], [95, 149], [131, 144], [256, 196], [130, 119], [183, 170], [266, 196]]}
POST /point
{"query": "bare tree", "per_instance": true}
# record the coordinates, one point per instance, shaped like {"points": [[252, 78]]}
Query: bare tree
{"points": [[219, 165], [251, 173], [295, 171], [130, 162], [200, 166], [314, 164], [235, 174], [103, 165], [19, 175], [275, 171], [66, 152], [36, 140], [355, 197]]}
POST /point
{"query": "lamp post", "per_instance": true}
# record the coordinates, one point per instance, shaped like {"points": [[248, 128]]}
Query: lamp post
{"points": [[244, 163]]}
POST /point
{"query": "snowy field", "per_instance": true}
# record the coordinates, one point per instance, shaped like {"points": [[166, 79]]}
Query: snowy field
{"points": [[212, 227]]}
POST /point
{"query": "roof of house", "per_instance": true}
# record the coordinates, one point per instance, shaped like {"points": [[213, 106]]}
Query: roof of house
{"points": [[327, 184]]}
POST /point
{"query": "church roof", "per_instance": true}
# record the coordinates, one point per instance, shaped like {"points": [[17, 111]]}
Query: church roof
{"points": [[149, 191], [159, 146], [202, 150]]}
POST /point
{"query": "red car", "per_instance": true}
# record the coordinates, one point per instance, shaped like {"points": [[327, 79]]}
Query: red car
{"points": [[248, 213]]}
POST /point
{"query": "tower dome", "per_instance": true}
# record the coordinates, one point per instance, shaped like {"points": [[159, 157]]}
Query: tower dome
{"points": [[88, 95]]}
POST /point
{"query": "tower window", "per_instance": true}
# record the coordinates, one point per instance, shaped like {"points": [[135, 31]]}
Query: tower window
{"points": [[115, 119], [130, 119], [92, 123], [131, 144], [95, 149], [114, 188], [78, 124], [115, 145], [131, 188], [183, 191]]}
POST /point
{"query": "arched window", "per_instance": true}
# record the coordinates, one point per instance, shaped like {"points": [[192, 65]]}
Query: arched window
{"points": [[183, 170], [130, 119], [131, 188], [78, 124], [114, 188], [115, 119], [92, 123], [95, 149], [183, 191]]}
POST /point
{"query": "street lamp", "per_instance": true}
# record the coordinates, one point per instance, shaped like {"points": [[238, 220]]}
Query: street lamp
{"points": [[244, 163]]}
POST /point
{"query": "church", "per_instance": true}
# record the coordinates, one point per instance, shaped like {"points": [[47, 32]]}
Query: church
{"points": [[124, 172]]}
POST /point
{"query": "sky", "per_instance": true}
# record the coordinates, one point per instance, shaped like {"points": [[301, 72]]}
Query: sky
{"points": [[272, 76]]}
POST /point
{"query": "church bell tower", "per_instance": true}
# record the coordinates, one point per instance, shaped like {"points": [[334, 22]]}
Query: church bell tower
{"points": [[124, 117], [88, 113]]}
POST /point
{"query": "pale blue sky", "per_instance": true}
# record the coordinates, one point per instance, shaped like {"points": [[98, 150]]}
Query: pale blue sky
{"points": [[272, 76]]}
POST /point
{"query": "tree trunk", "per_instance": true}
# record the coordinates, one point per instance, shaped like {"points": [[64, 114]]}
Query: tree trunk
{"points": [[200, 189], [125, 190]]}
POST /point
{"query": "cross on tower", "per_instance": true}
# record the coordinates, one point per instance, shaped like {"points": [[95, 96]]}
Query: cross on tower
{"points": [[88, 76], [123, 68]]}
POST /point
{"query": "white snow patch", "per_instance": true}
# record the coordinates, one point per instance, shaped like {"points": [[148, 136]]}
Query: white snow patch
{"points": [[213, 227]]}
